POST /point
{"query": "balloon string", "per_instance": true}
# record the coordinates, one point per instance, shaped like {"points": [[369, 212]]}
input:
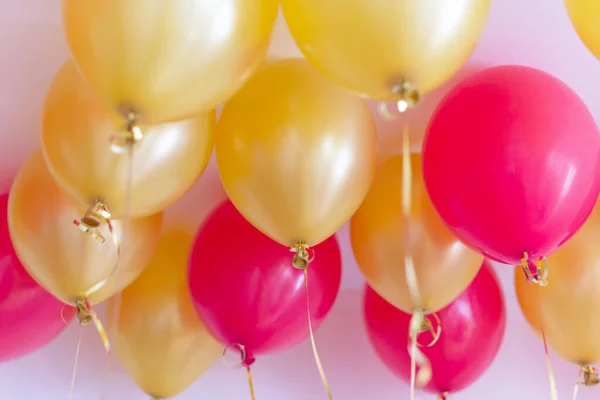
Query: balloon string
{"points": [[72, 390], [551, 378], [313, 342], [250, 383]]}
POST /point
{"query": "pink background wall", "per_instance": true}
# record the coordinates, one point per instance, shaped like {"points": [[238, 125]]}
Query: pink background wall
{"points": [[533, 32]]}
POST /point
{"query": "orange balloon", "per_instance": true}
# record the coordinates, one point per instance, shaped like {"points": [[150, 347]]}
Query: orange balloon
{"points": [[568, 309], [444, 266], [68, 263], [158, 338], [76, 133], [296, 153], [166, 60]]}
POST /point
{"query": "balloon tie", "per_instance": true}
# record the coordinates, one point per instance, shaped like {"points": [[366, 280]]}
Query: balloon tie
{"points": [[540, 277], [408, 97], [551, 378], [129, 137], [443, 396], [587, 376], [246, 360], [303, 257], [72, 389]]}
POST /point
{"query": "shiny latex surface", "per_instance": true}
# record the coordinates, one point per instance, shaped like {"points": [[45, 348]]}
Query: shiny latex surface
{"points": [[246, 290], [59, 256], [30, 317], [369, 46], [159, 339], [585, 17], [444, 267], [76, 139], [511, 161], [296, 153], [568, 308], [168, 60], [473, 327]]}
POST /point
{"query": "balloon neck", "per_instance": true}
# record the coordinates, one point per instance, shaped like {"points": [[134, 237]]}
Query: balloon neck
{"points": [[95, 216], [83, 312], [443, 396], [535, 272], [249, 359], [303, 256], [589, 375], [246, 355], [407, 95], [421, 323], [129, 137]]}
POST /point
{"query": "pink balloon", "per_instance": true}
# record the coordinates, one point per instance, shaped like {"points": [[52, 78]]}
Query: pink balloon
{"points": [[472, 331], [30, 317], [511, 161], [246, 291]]}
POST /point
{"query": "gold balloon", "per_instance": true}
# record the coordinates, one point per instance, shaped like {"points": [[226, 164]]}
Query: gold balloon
{"points": [[585, 17], [158, 338], [296, 153], [167, 60], [379, 48], [568, 309], [61, 258], [76, 134], [444, 267]]}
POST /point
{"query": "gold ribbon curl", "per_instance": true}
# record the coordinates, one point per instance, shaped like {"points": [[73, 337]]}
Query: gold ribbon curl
{"points": [[542, 268], [246, 360], [587, 376]]}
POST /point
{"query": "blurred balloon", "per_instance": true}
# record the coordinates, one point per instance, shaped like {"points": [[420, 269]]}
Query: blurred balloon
{"points": [[296, 153], [473, 327], [167, 60], [29, 316], [159, 339], [246, 291], [585, 17], [379, 49], [511, 162], [444, 267], [69, 264], [76, 134], [568, 308]]}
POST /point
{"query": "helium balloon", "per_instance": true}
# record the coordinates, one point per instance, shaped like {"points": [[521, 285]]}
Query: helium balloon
{"points": [[296, 153], [376, 48], [76, 133], [444, 267], [167, 60], [30, 317], [246, 291], [473, 327], [585, 17], [69, 264], [158, 338], [568, 308], [511, 161]]}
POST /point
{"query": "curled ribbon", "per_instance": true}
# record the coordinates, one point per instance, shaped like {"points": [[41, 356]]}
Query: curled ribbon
{"points": [[541, 271], [246, 360], [587, 376]]}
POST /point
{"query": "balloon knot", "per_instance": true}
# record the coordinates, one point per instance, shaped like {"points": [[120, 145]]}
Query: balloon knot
{"points": [[535, 273], [408, 97], [129, 137], [96, 215], [443, 396], [590, 376], [303, 256], [83, 313], [246, 356], [421, 323]]}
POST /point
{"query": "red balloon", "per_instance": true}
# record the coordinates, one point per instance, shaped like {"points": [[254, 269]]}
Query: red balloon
{"points": [[472, 330], [511, 161], [246, 291], [30, 317]]}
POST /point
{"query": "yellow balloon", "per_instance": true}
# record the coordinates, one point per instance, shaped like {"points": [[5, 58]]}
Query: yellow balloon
{"points": [[166, 60], [568, 309], [296, 153], [585, 17], [61, 258], [158, 338], [444, 267], [76, 134], [377, 48]]}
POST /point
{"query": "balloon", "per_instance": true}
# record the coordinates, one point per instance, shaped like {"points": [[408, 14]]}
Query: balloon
{"points": [[29, 316], [158, 337], [374, 47], [63, 260], [473, 327], [511, 161], [246, 291], [444, 266], [568, 308], [167, 60], [76, 134], [296, 154], [584, 15]]}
